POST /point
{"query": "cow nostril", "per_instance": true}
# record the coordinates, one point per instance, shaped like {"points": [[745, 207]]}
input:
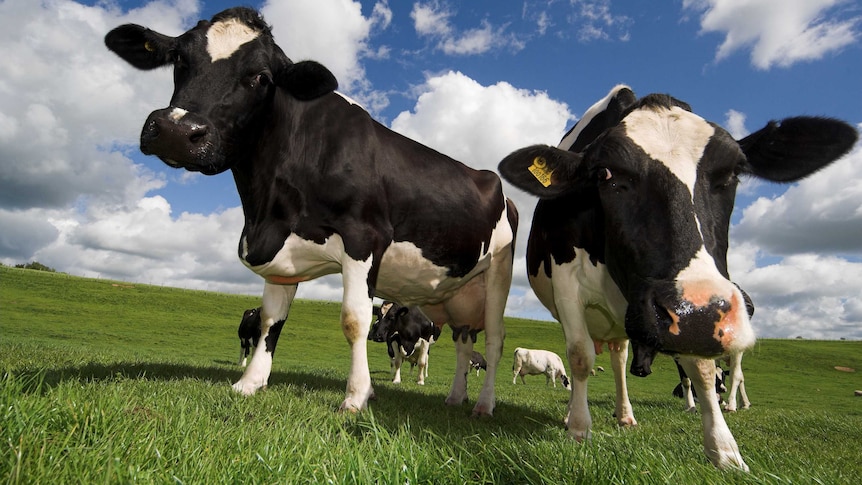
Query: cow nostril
{"points": [[198, 134]]}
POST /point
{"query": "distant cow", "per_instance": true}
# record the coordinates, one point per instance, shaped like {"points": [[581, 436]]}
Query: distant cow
{"points": [[309, 166], [478, 362], [533, 362], [630, 237], [685, 391], [737, 382], [408, 335], [249, 333]]}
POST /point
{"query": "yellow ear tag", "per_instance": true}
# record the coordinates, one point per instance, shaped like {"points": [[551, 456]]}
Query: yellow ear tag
{"points": [[539, 169], [149, 47]]}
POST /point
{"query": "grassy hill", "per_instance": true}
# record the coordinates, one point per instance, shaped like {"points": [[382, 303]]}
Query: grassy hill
{"points": [[104, 381]]}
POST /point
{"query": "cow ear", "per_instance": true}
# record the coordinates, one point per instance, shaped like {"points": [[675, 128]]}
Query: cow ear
{"points": [[542, 170], [307, 80], [794, 148], [402, 311], [139, 46]]}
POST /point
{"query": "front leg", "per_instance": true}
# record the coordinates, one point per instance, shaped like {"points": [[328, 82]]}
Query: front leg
{"points": [[581, 354], [356, 312], [623, 411], [718, 442], [274, 310]]}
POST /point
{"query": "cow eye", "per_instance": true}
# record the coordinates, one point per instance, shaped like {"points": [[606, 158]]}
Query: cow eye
{"points": [[261, 79]]}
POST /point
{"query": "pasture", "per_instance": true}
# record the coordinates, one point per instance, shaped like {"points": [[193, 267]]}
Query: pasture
{"points": [[116, 382]]}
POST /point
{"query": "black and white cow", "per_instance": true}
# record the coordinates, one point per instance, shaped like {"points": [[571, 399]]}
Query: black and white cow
{"points": [[630, 237], [309, 166], [684, 390], [408, 335], [249, 333], [477, 361]]}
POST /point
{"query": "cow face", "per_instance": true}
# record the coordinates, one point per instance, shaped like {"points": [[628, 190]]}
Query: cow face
{"points": [[226, 75], [663, 181]]}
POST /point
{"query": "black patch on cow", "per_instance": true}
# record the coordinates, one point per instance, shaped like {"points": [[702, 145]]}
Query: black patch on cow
{"points": [[272, 337]]}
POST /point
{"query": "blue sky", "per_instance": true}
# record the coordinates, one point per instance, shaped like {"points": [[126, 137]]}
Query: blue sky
{"points": [[473, 79]]}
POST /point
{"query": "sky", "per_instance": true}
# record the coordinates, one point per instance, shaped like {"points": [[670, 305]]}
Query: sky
{"points": [[474, 79]]}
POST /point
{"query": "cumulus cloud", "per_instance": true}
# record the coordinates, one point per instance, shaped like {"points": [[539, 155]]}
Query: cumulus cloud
{"points": [[779, 32], [821, 213], [336, 34], [433, 20]]}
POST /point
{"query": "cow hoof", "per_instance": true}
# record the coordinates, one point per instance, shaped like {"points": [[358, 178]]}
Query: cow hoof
{"points": [[580, 436], [691, 410], [627, 422], [349, 407], [246, 389], [482, 412]]}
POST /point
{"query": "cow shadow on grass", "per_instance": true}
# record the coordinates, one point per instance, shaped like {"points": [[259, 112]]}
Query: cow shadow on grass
{"points": [[396, 408]]}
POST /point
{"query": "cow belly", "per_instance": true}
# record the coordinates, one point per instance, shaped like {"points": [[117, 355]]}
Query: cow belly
{"points": [[302, 260], [411, 279]]}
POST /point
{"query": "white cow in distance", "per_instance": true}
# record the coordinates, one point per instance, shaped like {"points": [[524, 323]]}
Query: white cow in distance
{"points": [[534, 362]]}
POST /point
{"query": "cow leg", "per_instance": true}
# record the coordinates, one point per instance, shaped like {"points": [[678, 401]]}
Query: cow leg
{"points": [[397, 361], [356, 311], [718, 442], [274, 310], [582, 357], [498, 280], [422, 362], [737, 382], [463, 351], [623, 410]]}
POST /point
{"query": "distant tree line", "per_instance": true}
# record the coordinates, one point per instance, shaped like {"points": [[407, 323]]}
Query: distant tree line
{"points": [[37, 266]]}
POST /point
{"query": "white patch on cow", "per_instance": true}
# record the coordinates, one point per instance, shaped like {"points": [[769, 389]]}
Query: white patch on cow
{"points": [[349, 99], [226, 36], [674, 137], [411, 279], [600, 106], [177, 114], [301, 259]]}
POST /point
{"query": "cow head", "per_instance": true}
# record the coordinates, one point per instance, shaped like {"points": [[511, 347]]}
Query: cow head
{"points": [[226, 74], [664, 181]]}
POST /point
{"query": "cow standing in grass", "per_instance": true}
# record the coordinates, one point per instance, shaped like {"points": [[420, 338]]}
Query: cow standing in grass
{"points": [[325, 189], [532, 362], [630, 237]]}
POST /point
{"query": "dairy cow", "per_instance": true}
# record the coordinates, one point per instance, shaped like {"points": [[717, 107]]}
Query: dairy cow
{"points": [[408, 335], [630, 235], [309, 165]]}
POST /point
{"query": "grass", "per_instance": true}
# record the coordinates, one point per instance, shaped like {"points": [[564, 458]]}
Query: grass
{"points": [[109, 382]]}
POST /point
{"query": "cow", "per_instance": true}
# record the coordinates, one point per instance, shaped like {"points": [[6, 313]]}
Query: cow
{"points": [[630, 234], [249, 333], [478, 362], [685, 391], [532, 362], [408, 335], [325, 189]]}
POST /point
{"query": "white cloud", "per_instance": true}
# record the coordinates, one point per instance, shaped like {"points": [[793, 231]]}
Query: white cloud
{"points": [[779, 32], [822, 213], [334, 33], [432, 20]]}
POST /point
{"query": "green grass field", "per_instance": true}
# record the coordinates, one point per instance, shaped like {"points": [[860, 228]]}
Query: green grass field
{"points": [[112, 382]]}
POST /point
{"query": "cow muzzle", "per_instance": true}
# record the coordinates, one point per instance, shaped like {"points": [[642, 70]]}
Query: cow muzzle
{"points": [[182, 140], [701, 318]]}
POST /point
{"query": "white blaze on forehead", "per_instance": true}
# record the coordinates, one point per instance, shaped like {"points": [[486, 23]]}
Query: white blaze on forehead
{"points": [[177, 114], [674, 137], [226, 36]]}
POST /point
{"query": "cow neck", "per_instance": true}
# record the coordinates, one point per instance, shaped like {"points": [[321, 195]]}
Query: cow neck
{"points": [[271, 202]]}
